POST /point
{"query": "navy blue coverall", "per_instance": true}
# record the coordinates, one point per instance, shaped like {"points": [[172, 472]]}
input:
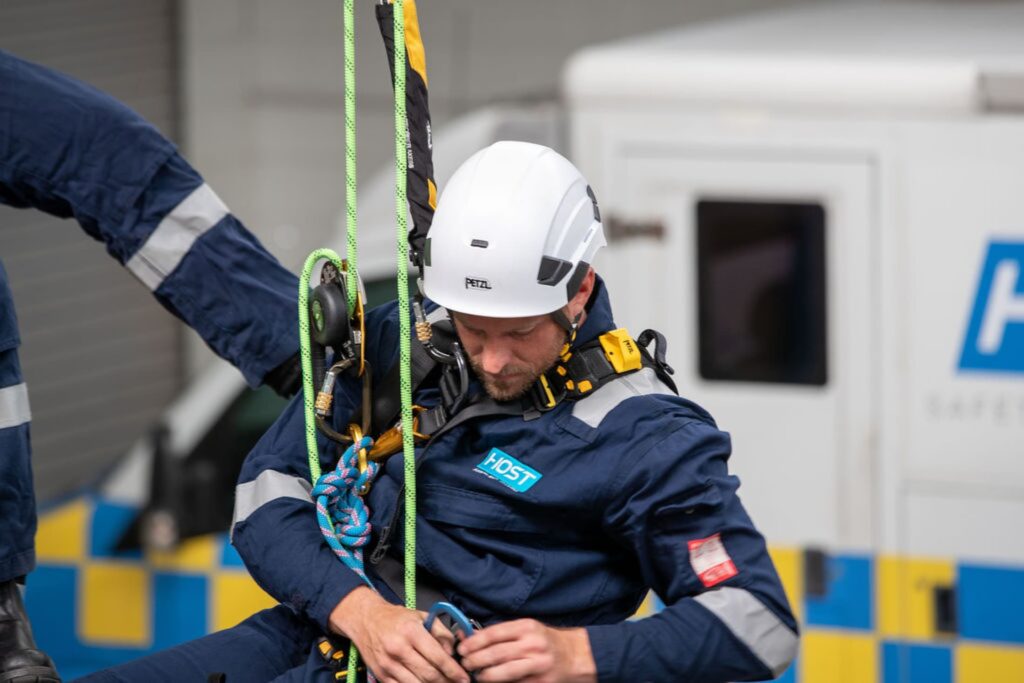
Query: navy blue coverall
{"points": [[72, 151], [569, 518]]}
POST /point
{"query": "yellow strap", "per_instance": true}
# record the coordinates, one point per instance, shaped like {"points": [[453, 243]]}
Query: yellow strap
{"points": [[414, 44]]}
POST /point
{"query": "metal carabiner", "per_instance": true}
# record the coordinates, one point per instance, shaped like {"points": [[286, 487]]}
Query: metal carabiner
{"points": [[460, 622], [460, 625], [355, 432]]}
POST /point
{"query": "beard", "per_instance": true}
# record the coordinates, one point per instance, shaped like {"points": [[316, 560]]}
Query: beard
{"points": [[515, 380]]}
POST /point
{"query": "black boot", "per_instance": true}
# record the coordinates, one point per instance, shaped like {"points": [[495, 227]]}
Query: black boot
{"points": [[20, 661]]}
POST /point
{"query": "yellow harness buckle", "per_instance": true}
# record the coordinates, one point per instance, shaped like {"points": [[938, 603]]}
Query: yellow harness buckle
{"points": [[621, 350]]}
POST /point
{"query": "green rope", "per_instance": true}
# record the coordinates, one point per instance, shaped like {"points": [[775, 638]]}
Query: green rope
{"points": [[308, 390], [350, 151], [405, 376], [350, 207]]}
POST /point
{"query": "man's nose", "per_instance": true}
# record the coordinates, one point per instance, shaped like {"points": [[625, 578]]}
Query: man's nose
{"points": [[494, 357]]}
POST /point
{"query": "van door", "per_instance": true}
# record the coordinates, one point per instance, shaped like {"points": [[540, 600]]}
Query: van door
{"points": [[760, 273]]}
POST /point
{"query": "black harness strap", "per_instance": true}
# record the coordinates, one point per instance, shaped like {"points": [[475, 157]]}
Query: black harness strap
{"points": [[387, 402], [661, 367]]}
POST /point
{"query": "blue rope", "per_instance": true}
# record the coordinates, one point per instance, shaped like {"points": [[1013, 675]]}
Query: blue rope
{"points": [[337, 498]]}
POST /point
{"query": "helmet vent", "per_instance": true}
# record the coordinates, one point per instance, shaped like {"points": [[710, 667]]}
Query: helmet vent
{"points": [[593, 199], [552, 270], [482, 244]]}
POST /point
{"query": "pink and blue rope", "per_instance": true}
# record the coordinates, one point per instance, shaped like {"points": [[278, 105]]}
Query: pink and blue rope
{"points": [[341, 512]]}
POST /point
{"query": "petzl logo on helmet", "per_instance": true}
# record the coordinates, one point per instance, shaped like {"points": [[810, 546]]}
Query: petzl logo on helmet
{"points": [[509, 471], [477, 283], [995, 333]]}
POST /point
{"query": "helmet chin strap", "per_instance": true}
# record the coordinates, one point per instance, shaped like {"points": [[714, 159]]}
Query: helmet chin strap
{"points": [[563, 321], [570, 327]]}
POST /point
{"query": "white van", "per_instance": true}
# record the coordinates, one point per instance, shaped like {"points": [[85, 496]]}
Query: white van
{"points": [[818, 208], [821, 209]]}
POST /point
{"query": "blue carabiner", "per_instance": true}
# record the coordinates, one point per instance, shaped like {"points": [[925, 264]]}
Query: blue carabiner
{"points": [[457, 616]]}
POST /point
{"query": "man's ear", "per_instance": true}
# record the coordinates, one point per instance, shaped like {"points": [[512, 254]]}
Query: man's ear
{"points": [[579, 301]]}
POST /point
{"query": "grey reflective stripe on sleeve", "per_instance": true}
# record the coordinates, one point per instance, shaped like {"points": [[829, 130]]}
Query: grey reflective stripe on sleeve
{"points": [[267, 487], [754, 625], [174, 236], [593, 408], [14, 408]]}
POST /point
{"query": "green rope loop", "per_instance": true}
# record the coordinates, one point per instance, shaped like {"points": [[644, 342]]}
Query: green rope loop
{"points": [[308, 390]]}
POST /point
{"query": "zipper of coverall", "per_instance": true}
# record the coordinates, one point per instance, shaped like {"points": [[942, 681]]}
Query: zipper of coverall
{"points": [[484, 408]]}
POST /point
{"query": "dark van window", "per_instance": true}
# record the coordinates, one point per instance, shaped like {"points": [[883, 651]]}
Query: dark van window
{"points": [[761, 291]]}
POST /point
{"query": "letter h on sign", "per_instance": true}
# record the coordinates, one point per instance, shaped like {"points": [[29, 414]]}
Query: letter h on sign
{"points": [[995, 333]]}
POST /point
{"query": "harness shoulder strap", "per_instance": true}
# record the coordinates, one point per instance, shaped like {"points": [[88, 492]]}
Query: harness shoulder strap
{"points": [[387, 401], [594, 364]]}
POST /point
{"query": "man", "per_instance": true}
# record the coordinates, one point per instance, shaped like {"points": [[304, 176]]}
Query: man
{"points": [[70, 150], [546, 520], [620, 487]]}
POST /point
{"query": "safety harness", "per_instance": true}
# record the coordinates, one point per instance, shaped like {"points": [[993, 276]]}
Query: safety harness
{"points": [[580, 371]]}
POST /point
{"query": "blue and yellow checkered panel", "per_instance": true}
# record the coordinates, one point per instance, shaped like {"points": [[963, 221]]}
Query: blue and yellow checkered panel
{"points": [[875, 622], [91, 608]]}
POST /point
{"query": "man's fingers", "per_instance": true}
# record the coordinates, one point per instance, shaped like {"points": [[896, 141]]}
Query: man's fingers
{"points": [[410, 666], [436, 656], [398, 675], [515, 670], [494, 655], [445, 637], [408, 652], [499, 633]]}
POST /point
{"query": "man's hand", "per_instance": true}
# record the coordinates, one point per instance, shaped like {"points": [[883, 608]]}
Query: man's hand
{"points": [[530, 652], [393, 642]]}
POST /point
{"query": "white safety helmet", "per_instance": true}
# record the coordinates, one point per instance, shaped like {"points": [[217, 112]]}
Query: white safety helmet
{"points": [[515, 231]]}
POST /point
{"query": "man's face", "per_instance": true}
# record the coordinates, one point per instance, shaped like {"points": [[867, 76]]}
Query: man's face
{"points": [[508, 354]]}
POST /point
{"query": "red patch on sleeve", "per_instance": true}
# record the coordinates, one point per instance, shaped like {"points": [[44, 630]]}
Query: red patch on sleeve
{"points": [[710, 561]]}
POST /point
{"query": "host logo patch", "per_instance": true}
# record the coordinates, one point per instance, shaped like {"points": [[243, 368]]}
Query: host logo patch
{"points": [[995, 333], [509, 471]]}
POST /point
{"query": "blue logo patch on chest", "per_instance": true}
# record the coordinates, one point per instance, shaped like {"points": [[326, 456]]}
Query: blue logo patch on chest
{"points": [[509, 471]]}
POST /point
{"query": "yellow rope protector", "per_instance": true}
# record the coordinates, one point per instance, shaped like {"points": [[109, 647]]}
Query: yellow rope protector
{"points": [[621, 350]]}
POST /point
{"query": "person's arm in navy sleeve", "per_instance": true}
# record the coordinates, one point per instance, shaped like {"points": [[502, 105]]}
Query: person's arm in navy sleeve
{"points": [[726, 616], [275, 527], [277, 534], [72, 151]]}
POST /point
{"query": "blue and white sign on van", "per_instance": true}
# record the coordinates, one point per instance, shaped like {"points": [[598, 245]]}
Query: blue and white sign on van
{"points": [[501, 466], [995, 333]]}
